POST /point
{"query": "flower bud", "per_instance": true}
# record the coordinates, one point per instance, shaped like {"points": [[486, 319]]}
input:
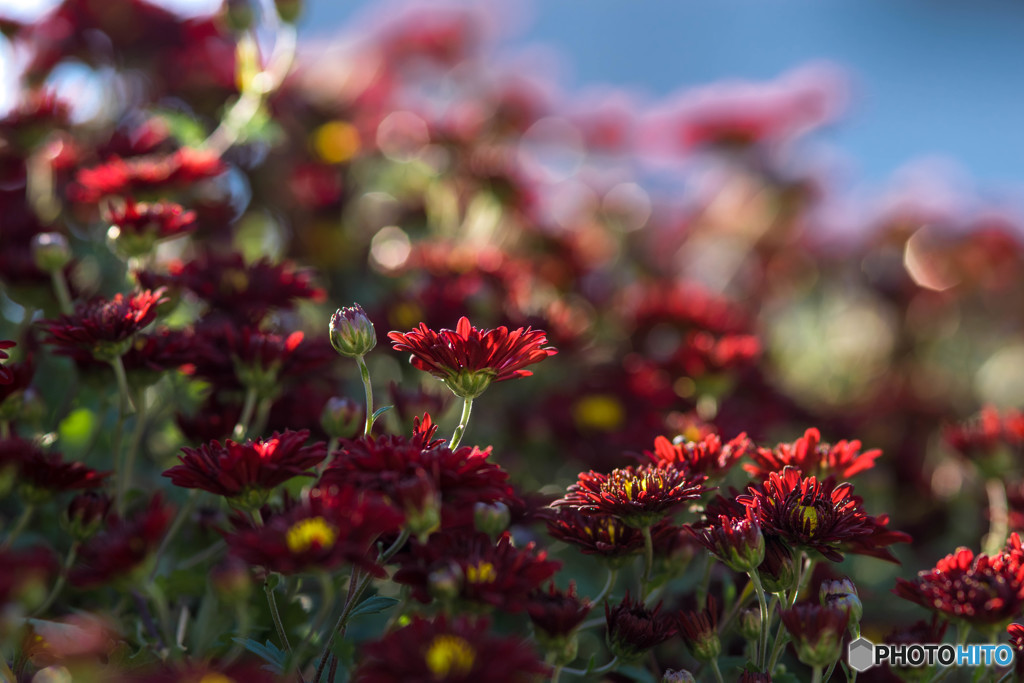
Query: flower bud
{"points": [[445, 583], [342, 418], [750, 623], [421, 503], [238, 14], [817, 632], [352, 333], [842, 594], [700, 632], [779, 571], [50, 251], [738, 543], [674, 676], [85, 514], [491, 518]]}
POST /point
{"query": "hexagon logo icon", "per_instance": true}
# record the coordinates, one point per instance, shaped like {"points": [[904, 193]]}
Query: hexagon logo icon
{"points": [[861, 654]]}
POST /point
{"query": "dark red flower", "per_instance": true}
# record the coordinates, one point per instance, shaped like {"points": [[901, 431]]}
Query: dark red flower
{"points": [[468, 359], [555, 613], [136, 228], [738, 542], [817, 632], [822, 516], [709, 456], [6, 377], [246, 472], [243, 291], [639, 496], [145, 174], [633, 628], [457, 651], [981, 590], [592, 534], [41, 474], [470, 566], [123, 546], [843, 459], [254, 671], [699, 630], [982, 436], [103, 327], [329, 527], [389, 465], [1016, 633]]}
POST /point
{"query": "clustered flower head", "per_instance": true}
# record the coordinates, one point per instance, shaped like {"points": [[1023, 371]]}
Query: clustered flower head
{"points": [[814, 458], [708, 456], [468, 359], [633, 628], [135, 228]]}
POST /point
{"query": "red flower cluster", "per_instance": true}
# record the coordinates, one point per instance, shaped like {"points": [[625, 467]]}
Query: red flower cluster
{"points": [[708, 456], [146, 174], [136, 228], [842, 459], [103, 327], [41, 475]]}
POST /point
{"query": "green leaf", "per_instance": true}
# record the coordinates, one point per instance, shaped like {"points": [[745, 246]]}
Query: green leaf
{"points": [[373, 605], [267, 652], [380, 411]]}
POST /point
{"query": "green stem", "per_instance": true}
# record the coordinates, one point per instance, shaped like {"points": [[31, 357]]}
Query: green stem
{"points": [[246, 417], [608, 585], [762, 637], [716, 671], [124, 477], [831, 669], [61, 580], [276, 616], [364, 374], [999, 517], [163, 612], [179, 520], [645, 579], [60, 288], [816, 677], [745, 594], [600, 670], [5, 429], [705, 582], [467, 408], [19, 526], [259, 425], [326, 603], [126, 406], [244, 626]]}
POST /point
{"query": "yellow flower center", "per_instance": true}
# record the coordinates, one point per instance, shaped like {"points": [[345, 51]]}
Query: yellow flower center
{"points": [[449, 655], [481, 572], [809, 513], [599, 412], [306, 533]]}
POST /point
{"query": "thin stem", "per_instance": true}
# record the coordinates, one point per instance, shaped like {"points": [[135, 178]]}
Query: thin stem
{"points": [[60, 288], [467, 408], [716, 671], [608, 585], [326, 603], [124, 477], [999, 516], [262, 415], [61, 580], [5, 429], [364, 374], [645, 579], [745, 594], [179, 520], [126, 406], [163, 612], [246, 417], [831, 669], [762, 637], [19, 526], [244, 626], [276, 616], [600, 670], [816, 676], [705, 582]]}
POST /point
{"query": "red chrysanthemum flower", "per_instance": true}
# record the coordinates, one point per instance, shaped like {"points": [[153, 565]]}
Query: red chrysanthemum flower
{"points": [[145, 174], [603, 535], [103, 327], [639, 496], [556, 614], [1016, 633], [633, 628], [6, 376], [243, 291], [983, 436], [136, 228], [981, 590], [822, 516], [247, 472], [41, 475], [392, 466], [467, 359], [843, 459], [817, 632], [470, 566], [123, 546], [699, 630], [458, 651], [329, 527], [709, 456]]}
